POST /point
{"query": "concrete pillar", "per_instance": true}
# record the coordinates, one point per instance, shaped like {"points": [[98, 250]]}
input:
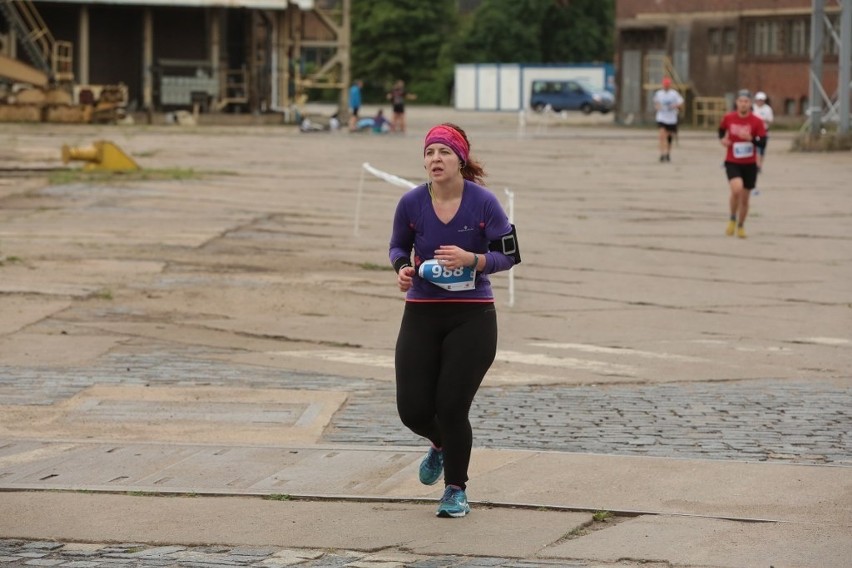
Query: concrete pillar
{"points": [[284, 44], [215, 49], [297, 47], [345, 54], [815, 91], [148, 60], [83, 46], [844, 64]]}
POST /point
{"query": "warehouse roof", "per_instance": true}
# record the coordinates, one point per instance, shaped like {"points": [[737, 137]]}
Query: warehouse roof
{"points": [[256, 4]]}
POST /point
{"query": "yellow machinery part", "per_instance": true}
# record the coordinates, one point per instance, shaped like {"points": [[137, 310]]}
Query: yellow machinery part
{"points": [[20, 72], [100, 156]]}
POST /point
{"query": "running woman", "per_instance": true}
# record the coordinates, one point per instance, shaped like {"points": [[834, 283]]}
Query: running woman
{"points": [[459, 234], [742, 133]]}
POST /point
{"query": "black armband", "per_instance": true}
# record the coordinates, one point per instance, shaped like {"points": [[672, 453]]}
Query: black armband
{"points": [[508, 245], [721, 133], [401, 263], [759, 141]]}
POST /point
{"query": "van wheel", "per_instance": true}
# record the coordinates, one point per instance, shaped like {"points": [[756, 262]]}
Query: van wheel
{"points": [[586, 108], [538, 108]]}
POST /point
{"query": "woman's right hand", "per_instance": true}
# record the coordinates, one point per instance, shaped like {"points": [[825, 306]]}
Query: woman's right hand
{"points": [[404, 278]]}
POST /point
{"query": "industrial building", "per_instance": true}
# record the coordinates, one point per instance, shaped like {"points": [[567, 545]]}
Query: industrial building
{"points": [[712, 48], [216, 55]]}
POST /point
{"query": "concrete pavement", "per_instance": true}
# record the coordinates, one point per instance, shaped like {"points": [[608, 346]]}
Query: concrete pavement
{"points": [[198, 372], [682, 512]]}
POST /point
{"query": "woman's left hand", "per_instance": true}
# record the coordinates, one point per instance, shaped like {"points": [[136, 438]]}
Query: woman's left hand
{"points": [[452, 256]]}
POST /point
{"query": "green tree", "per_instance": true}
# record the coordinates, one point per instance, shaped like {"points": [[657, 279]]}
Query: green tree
{"points": [[421, 42], [403, 39], [578, 31], [538, 31], [503, 31]]}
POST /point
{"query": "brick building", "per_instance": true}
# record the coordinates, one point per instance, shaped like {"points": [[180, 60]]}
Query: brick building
{"points": [[715, 47]]}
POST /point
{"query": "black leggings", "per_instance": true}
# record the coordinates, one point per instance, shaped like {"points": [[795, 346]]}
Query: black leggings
{"points": [[442, 354]]}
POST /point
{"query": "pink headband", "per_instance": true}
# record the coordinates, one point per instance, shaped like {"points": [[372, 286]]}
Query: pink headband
{"points": [[449, 136]]}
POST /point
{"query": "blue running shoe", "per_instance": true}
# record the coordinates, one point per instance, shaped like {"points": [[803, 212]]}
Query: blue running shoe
{"points": [[453, 503], [432, 467]]}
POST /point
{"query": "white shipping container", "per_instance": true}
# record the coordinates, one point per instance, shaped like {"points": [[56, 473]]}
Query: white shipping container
{"points": [[506, 86]]}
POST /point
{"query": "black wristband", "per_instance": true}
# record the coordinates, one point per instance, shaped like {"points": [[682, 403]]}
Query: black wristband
{"points": [[400, 263]]}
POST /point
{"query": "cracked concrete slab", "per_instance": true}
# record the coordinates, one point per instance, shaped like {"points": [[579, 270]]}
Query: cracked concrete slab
{"points": [[20, 311], [179, 414], [256, 522], [54, 349], [681, 541]]}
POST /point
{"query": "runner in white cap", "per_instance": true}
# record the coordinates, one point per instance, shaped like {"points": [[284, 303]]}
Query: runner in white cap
{"points": [[762, 109]]}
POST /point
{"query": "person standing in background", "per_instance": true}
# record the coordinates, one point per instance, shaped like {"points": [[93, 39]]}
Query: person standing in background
{"points": [[667, 103], [397, 96], [354, 104], [762, 109]]}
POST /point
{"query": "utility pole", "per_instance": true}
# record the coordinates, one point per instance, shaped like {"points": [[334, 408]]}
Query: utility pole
{"points": [[344, 48], [844, 64], [815, 91], [817, 96]]}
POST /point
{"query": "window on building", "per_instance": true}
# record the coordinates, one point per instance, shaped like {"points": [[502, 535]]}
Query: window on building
{"points": [[791, 107], [798, 38], [762, 37], [714, 41], [729, 41]]}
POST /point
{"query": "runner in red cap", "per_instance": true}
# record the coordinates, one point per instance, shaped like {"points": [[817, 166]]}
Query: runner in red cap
{"points": [[667, 102]]}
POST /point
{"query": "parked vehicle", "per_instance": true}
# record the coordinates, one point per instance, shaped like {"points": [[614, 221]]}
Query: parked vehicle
{"points": [[572, 94]]}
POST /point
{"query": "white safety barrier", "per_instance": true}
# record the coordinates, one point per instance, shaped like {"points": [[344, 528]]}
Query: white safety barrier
{"points": [[405, 184], [390, 178], [511, 214]]}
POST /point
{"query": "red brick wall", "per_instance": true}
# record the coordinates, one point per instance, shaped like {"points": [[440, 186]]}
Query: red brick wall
{"points": [[630, 8], [782, 81], [712, 75]]}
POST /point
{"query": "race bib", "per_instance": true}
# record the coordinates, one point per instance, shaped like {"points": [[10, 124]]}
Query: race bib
{"points": [[743, 149], [452, 279]]}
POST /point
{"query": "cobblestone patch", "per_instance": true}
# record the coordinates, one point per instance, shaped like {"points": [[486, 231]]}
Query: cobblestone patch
{"points": [[63, 555], [788, 421], [15, 553]]}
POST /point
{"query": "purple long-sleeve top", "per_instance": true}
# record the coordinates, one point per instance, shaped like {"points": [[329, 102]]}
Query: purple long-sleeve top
{"points": [[479, 220]]}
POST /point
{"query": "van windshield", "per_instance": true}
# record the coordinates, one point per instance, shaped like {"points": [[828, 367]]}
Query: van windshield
{"points": [[586, 85], [567, 85]]}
